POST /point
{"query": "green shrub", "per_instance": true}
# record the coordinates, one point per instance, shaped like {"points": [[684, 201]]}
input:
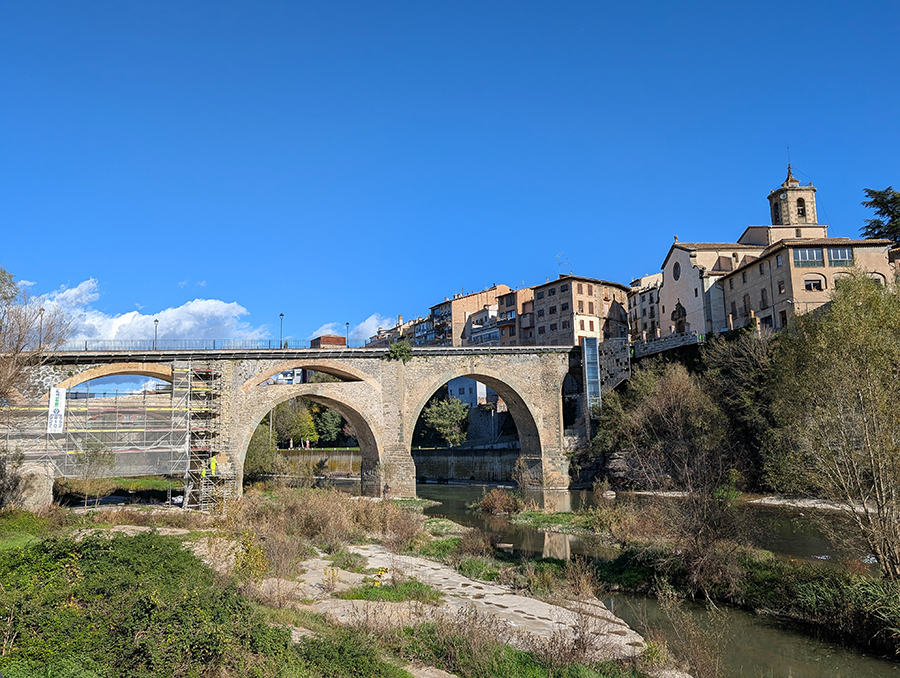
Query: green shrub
{"points": [[136, 606]]}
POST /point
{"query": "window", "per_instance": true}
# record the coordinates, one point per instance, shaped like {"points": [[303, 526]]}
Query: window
{"points": [[813, 285], [539, 295], [565, 307], [590, 289], [733, 309], [840, 256], [581, 324], [744, 277], [471, 390], [551, 292], [580, 289], [778, 260], [762, 269], [696, 293], [808, 257], [565, 324], [462, 391], [731, 283], [643, 312], [542, 330], [764, 298], [801, 207], [512, 331], [783, 316], [540, 313], [510, 300], [664, 308], [591, 323], [776, 213], [781, 287], [502, 331], [580, 306], [746, 309], [798, 232], [564, 288], [553, 327], [643, 298], [676, 271], [553, 310], [590, 308]]}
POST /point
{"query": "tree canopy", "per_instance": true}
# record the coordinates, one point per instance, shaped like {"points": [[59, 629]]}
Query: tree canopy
{"points": [[836, 406], [886, 223]]}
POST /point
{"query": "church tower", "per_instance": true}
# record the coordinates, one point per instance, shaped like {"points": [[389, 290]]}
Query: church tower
{"points": [[792, 204]]}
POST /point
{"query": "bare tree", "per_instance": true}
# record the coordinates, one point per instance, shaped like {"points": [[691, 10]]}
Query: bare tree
{"points": [[28, 333]]}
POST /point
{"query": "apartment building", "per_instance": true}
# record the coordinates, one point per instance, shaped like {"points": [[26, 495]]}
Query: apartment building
{"points": [[515, 323], [795, 276], [481, 328], [402, 331], [449, 318], [643, 306], [573, 307]]}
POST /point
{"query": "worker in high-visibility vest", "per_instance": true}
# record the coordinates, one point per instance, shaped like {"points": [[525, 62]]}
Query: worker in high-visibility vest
{"points": [[212, 466]]}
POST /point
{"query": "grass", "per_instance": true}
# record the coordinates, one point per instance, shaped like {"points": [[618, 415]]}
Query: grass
{"points": [[18, 527], [394, 593], [348, 561], [567, 523]]}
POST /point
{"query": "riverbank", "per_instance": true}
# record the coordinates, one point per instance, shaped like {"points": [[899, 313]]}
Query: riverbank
{"points": [[844, 601], [279, 561]]}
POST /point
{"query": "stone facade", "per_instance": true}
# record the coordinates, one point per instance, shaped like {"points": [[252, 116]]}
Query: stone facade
{"points": [[381, 399]]}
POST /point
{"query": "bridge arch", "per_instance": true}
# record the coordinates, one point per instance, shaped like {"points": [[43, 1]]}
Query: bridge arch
{"points": [[152, 370], [335, 368], [348, 399], [525, 414]]}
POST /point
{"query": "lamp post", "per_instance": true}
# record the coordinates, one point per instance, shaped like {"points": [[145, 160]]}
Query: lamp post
{"points": [[281, 330], [155, 332], [347, 340]]}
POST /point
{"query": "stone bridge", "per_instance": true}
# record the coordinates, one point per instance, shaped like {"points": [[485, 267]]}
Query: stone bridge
{"points": [[218, 398]]}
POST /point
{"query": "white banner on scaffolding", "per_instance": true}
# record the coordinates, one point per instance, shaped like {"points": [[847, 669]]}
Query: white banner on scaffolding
{"points": [[56, 414]]}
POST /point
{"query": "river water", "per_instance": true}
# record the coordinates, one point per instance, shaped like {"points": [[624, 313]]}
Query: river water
{"points": [[758, 646]]}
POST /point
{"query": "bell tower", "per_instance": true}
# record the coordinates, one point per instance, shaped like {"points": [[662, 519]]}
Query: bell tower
{"points": [[792, 204]]}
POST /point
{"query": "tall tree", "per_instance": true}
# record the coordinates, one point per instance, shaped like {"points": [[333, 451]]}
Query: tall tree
{"points": [[886, 204], [448, 418], [838, 389]]}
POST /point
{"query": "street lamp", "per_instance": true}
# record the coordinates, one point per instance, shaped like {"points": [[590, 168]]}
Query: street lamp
{"points": [[347, 341], [155, 332], [281, 329]]}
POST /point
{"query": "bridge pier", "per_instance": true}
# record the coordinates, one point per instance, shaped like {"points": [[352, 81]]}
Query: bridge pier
{"points": [[394, 475]]}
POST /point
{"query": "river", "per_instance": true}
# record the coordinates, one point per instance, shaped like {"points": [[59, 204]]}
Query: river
{"points": [[758, 646]]}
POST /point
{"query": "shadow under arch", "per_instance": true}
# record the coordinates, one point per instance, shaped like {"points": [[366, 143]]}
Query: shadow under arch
{"points": [[152, 370], [519, 409], [365, 435]]}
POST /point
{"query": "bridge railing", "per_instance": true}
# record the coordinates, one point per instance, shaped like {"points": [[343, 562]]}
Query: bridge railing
{"points": [[182, 345]]}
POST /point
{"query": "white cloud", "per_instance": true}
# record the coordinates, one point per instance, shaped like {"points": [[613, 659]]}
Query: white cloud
{"points": [[358, 333], [182, 283], [197, 319], [202, 283]]}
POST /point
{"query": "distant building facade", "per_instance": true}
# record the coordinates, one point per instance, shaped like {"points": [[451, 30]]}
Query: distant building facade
{"points": [[643, 306]]}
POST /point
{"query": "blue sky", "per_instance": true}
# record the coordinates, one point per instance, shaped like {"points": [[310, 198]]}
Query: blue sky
{"points": [[215, 164]]}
